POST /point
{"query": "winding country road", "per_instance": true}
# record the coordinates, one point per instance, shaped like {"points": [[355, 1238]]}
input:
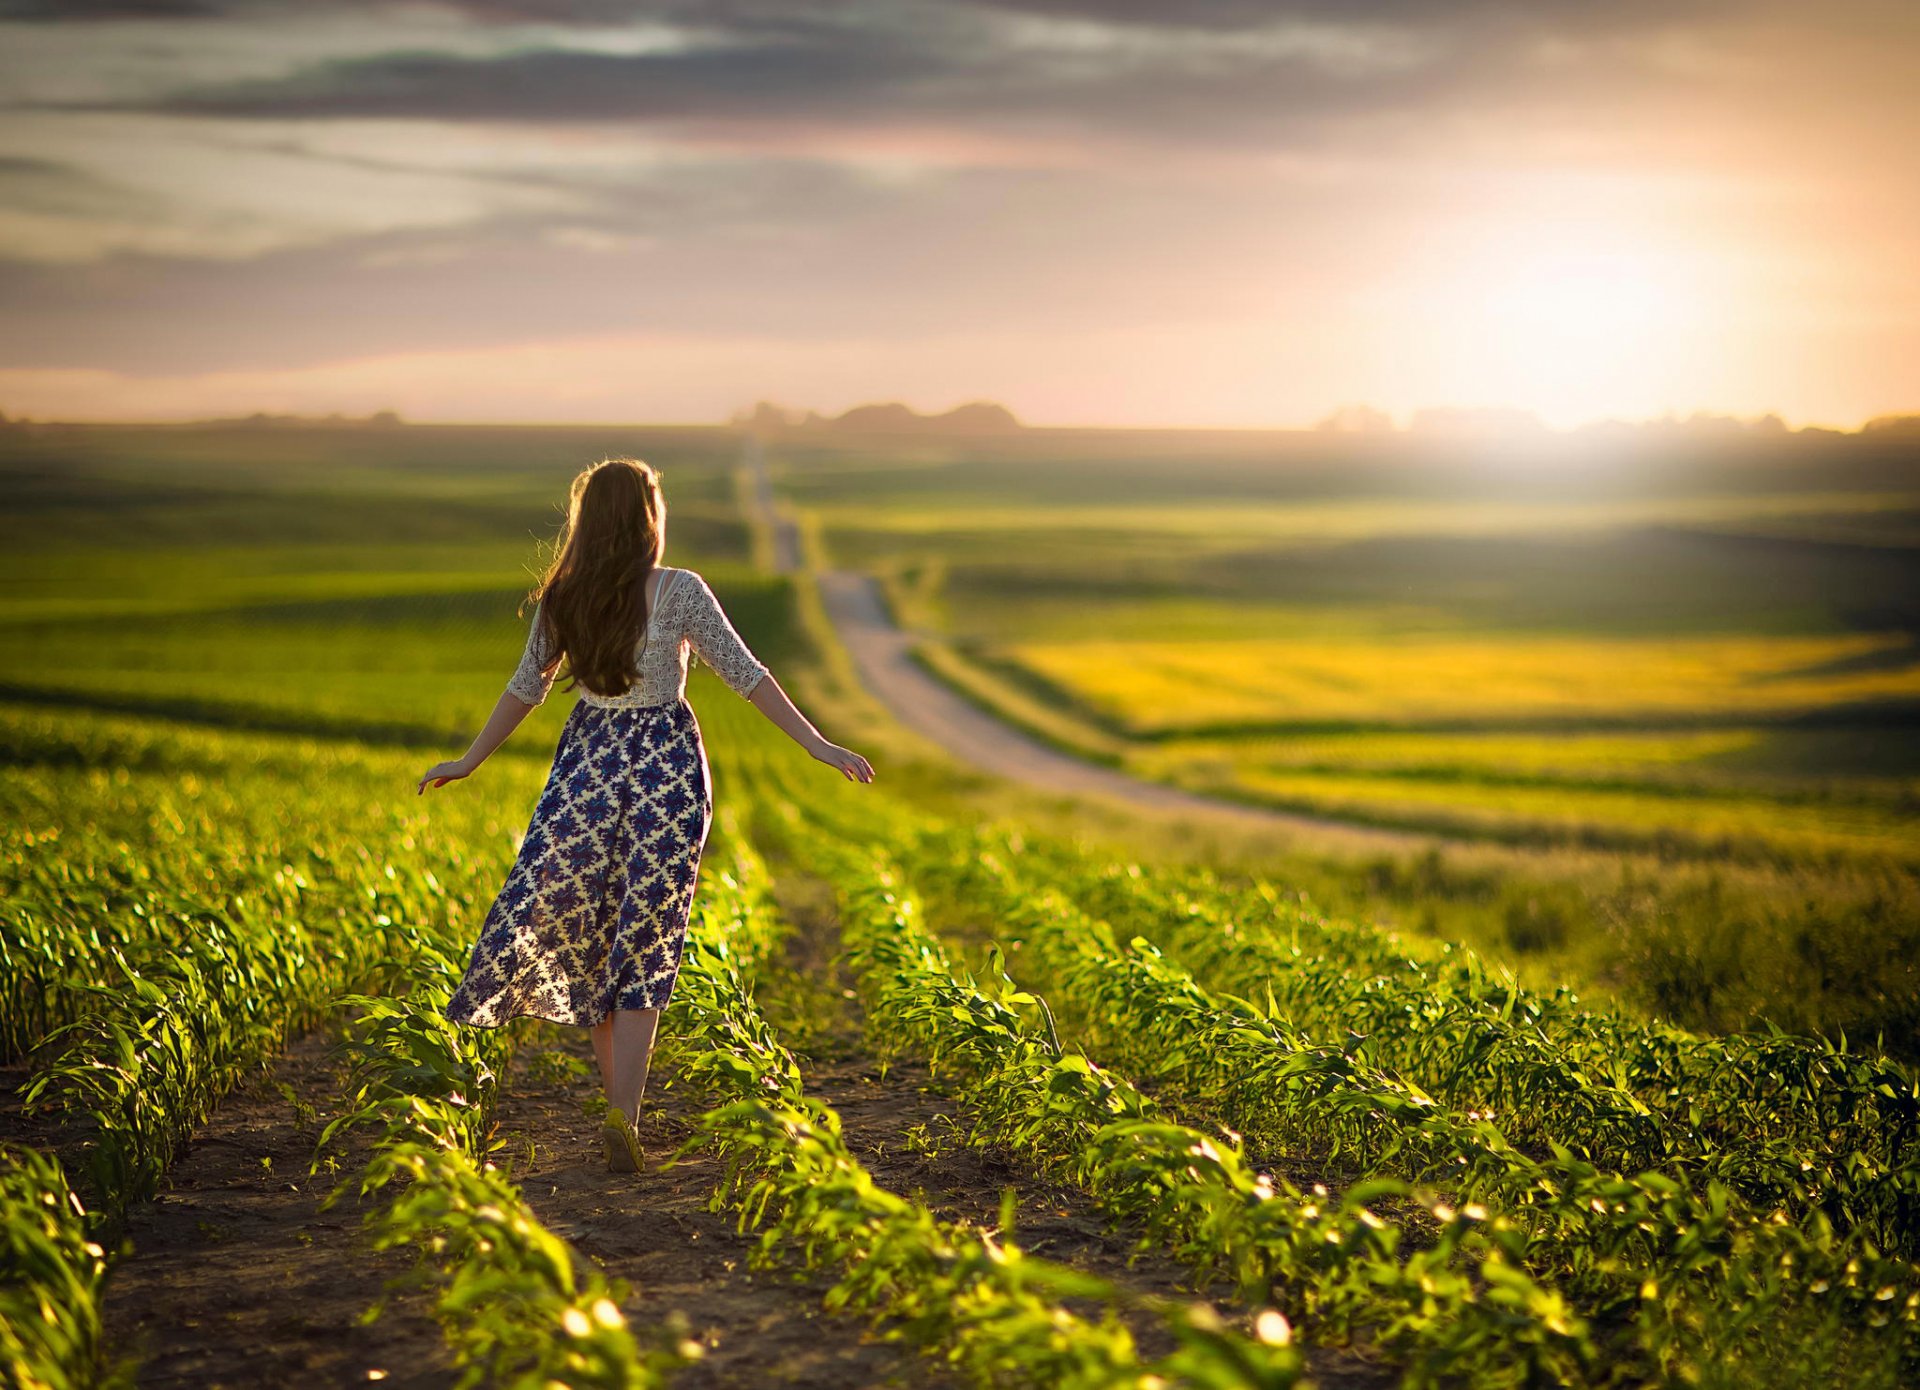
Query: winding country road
{"points": [[882, 654]]}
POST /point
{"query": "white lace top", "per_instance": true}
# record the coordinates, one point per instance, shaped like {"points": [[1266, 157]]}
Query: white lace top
{"points": [[685, 614]]}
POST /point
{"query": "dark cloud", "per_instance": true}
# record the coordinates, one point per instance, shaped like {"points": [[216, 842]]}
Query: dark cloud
{"points": [[772, 75], [49, 11], [1213, 78], [727, 15], [1221, 14], [947, 64], [1569, 15]]}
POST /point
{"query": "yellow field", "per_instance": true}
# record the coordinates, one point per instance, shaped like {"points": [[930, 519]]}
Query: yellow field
{"points": [[1536, 811], [1584, 755], [1152, 686]]}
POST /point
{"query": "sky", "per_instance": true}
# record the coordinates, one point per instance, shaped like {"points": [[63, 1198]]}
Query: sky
{"points": [[1133, 212]]}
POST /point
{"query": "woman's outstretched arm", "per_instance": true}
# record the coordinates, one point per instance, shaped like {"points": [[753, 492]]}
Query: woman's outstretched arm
{"points": [[526, 691], [767, 697], [507, 715], [715, 642]]}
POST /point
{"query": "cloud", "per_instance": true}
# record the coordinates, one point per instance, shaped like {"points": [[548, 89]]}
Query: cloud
{"points": [[932, 84], [48, 188], [1197, 77], [775, 77], [69, 11], [290, 183], [107, 183], [789, 246]]}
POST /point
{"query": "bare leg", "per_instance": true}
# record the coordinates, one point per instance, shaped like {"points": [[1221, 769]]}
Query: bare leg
{"points": [[602, 1035], [631, 1050]]}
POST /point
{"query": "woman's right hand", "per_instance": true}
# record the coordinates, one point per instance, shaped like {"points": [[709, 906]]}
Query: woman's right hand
{"points": [[442, 773], [852, 766]]}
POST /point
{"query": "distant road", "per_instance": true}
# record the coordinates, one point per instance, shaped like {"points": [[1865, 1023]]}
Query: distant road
{"points": [[786, 536], [882, 653]]}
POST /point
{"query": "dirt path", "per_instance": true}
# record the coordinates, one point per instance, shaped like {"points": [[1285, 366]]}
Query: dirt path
{"points": [[237, 1278], [654, 1231], [786, 537], [882, 653], [767, 1328]]}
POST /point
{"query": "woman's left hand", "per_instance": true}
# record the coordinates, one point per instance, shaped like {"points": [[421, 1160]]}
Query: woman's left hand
{"points": [[442, 773]]}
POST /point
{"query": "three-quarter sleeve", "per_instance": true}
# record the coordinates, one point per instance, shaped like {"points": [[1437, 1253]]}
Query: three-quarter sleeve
{"points": [[531, 680], [715, 642]]}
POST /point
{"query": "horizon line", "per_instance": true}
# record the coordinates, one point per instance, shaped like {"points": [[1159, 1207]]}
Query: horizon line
{"points": [[1517, 422]]}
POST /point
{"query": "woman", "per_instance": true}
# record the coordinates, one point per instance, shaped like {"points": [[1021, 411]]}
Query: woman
{"points": [[589, 927]]}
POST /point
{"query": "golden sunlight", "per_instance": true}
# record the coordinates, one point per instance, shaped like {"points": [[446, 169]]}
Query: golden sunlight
{"points": [[1572, 330]]}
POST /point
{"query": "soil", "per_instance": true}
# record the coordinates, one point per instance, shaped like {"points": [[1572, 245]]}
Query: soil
{"points": [[654, 1231], [236, 1277]]}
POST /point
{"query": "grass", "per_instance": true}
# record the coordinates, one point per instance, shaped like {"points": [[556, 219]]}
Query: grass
{"points": [[1703, 825]]}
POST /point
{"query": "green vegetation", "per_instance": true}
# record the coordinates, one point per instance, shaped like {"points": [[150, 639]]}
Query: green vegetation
{"points": [[1355, 1142], [1650, 712]]}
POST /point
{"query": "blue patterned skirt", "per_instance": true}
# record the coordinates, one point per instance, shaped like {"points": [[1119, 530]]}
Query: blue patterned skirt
{"points": [[594, 913]]}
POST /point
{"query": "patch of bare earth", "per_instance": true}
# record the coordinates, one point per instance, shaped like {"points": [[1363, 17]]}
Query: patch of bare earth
{"points": [[236, 1277], [654, 1231]]}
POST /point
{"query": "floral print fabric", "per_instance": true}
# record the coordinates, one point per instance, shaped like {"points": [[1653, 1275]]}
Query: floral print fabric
{"points": [[594, 912]]}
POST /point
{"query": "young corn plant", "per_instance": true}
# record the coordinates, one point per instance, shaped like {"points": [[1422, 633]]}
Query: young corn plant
{"points": [[970, 1295], [52, 1279], [1236, 1064], [1783, 1120], [1461, 1307], [516, 1307]]}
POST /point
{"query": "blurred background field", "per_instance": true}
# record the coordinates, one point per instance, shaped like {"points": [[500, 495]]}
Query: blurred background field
{"points": [[1647, 713], [1677, 675], [1569, 640]]}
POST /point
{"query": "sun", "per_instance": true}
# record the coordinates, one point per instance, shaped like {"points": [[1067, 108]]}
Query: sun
{"points": [[1571, 330], [1585, 306]]}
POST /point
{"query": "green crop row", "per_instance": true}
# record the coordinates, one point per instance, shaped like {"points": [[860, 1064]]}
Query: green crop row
{"points": [[1785, 1122], [52, 1278], [1459, 1305], [173, 927], [989, 1308], [1611, 1240], [1541, 1097], [93, 870], [1739, 1290], [1615, 1241], [518, 1308], [1448, 1020]]}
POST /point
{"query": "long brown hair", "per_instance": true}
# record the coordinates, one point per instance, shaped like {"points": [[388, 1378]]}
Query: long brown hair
{"points": [[593, 598]]}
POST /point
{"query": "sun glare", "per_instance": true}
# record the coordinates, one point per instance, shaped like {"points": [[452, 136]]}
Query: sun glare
{"points": [[1584, 306], [1573, 332]]}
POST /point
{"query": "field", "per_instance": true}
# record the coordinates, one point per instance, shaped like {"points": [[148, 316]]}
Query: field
{"points": [[1693, 664], [1042, 1106]]}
